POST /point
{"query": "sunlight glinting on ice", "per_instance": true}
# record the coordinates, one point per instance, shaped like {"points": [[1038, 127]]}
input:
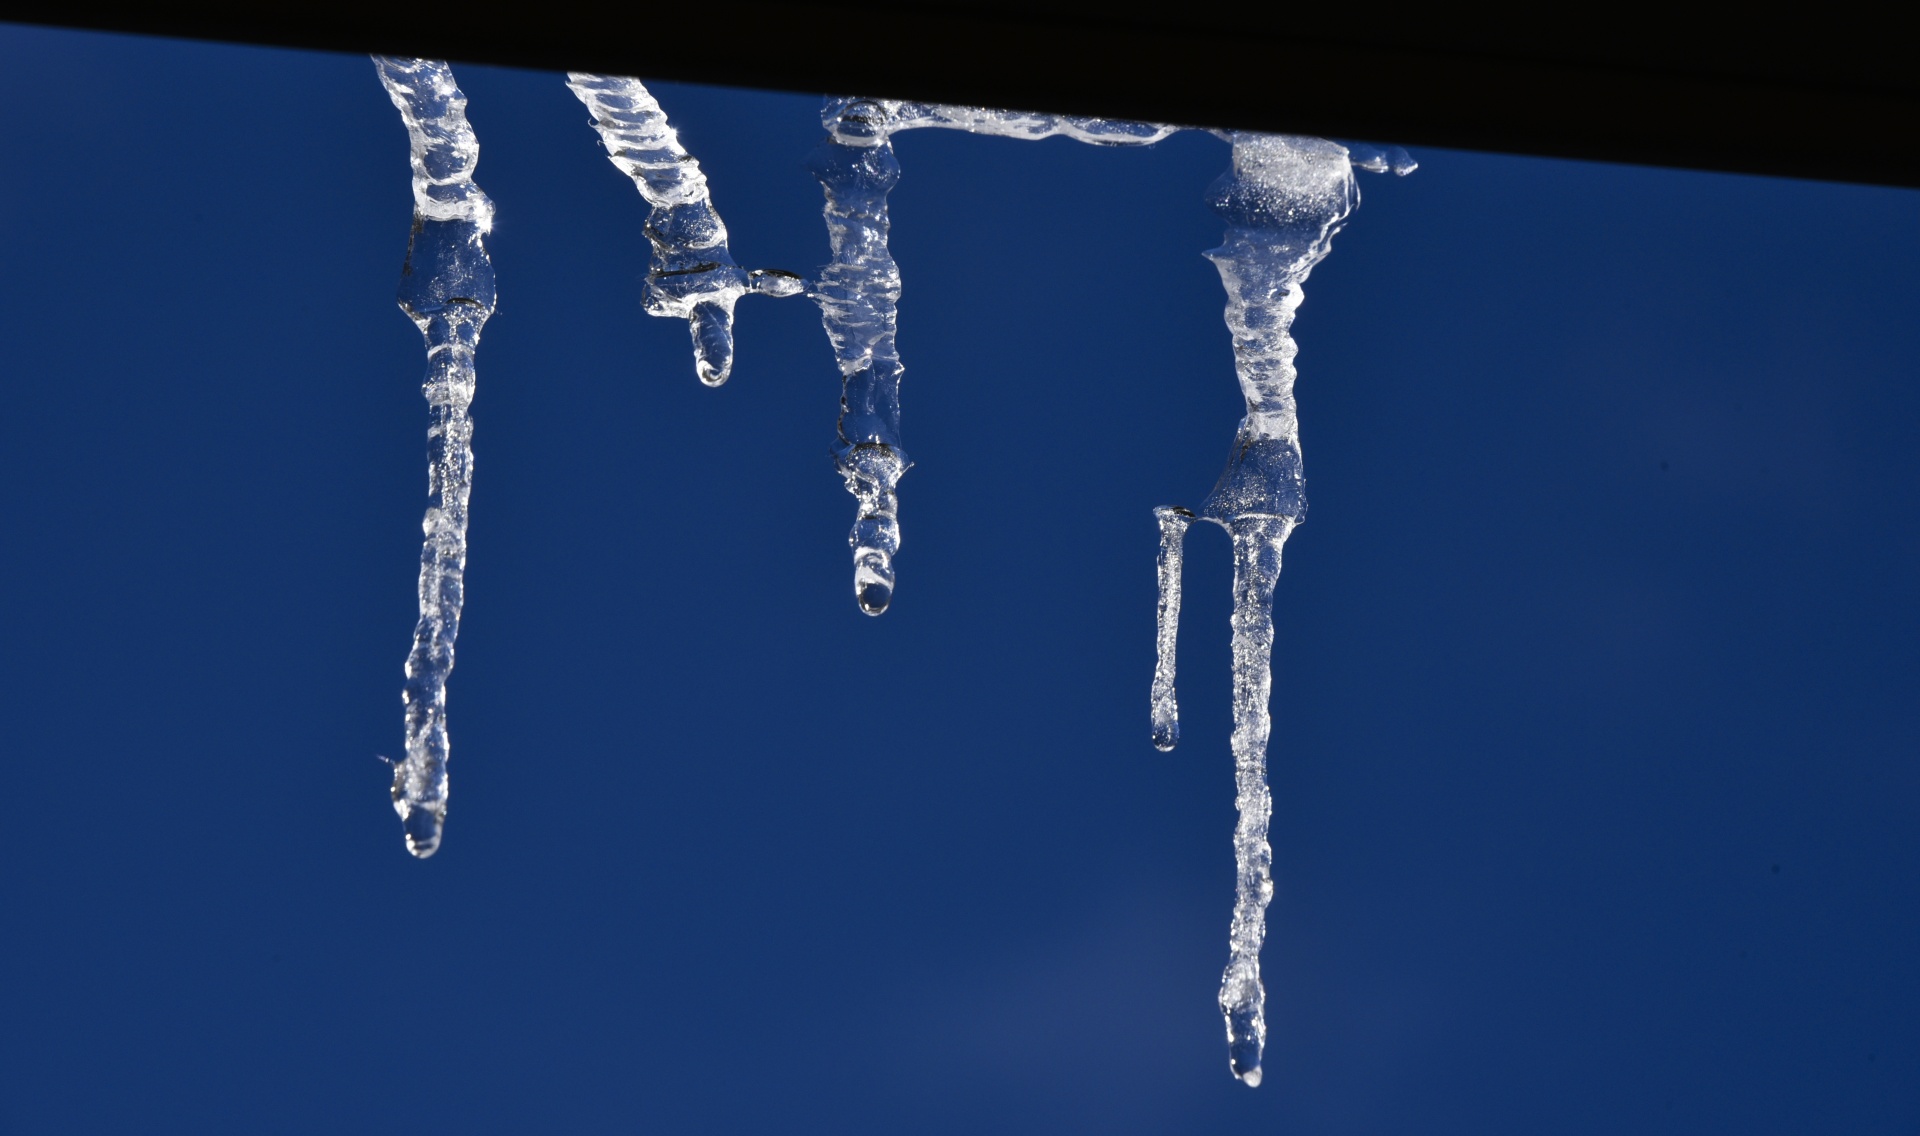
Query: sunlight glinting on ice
{"points": [[446, 288], [1283, 199]]}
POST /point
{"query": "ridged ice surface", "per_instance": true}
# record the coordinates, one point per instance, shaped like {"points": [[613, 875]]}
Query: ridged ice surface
{"points": [[446, 288], [693, 275], [859, 294], [1283, 200]]}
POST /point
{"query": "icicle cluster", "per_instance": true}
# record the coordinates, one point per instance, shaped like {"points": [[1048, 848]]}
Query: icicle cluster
{"points": [[446, 288], [859, 293], [1283, 200], [693, 277]]}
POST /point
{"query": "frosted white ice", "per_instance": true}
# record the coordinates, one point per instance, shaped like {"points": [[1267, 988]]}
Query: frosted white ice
{"points": [[447, 289], [859, 294], [693, 275]]}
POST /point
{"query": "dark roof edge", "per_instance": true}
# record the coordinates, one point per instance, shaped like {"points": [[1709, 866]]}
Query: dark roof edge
{"points": [[1517, 102]]}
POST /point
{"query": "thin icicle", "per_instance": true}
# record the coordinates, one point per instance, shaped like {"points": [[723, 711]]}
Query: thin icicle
{"points": [[1256, 569], [859, 294], [446, 288], [1283, 201], [693, 276], [1165, 705]]}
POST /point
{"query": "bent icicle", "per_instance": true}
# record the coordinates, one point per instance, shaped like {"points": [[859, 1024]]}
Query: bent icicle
{"points": [[693, 276]]}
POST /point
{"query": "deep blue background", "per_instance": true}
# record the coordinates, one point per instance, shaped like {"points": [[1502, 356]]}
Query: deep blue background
{"points": [[1595, 741]]}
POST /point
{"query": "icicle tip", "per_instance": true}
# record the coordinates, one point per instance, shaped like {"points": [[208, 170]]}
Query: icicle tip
{"points": [[422, 827], [712, 327], [873, 593]]}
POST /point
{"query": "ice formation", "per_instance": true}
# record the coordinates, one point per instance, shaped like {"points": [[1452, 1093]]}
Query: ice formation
{"points": [[1164, 705], [859, 291], [693, 277], [1283, 200], [446, 288]]}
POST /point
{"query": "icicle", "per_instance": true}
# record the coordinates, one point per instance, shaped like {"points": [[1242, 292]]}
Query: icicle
{"points": [[859, 293], [446, 287], [1165, 707], [1283, 201], [693, 277], [1256, 569]]}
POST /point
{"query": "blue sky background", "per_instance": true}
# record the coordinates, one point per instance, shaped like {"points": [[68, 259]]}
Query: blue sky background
{"points": [[1594, 757]]}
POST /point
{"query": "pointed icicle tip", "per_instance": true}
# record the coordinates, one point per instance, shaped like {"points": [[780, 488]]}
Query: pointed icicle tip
{"points": [[1250, 1078]]}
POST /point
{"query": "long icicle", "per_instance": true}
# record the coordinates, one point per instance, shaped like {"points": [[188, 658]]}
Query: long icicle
{"points": [[1164, 703], [1283, 200], [1256, 569], [446, 288], [859, 294], [693, 275]]}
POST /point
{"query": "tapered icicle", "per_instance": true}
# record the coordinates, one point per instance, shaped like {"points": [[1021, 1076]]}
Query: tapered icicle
{"points": [[859, 293], [1283, 201], [1256, 569], [693, 276], [446, 288], [1165, 706]]}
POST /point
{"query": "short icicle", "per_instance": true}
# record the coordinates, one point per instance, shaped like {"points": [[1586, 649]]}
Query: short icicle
{"points": [[859, 294], [1283, 201], [446, 288], [1165, 704], [693, 275]]}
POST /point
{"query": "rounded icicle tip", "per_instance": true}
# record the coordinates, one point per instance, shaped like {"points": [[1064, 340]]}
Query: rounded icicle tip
{"points": [[423, 829], [874, 596], [712, 326], [1243, 1057], [1166, 735]]}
